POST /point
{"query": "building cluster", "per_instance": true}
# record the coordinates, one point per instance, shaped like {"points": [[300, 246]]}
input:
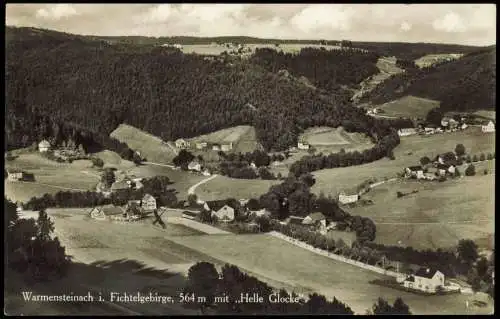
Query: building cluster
{"points": [[426, 280], [438, 168], [201, 145], [133, 210], [226, 212]]}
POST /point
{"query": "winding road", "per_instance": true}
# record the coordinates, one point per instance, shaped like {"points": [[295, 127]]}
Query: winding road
{"points": [[193, 188]]}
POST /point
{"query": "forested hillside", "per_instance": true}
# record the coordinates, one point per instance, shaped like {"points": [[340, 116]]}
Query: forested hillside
{"points": [[94, 86], [326, 69], [465, 84]]}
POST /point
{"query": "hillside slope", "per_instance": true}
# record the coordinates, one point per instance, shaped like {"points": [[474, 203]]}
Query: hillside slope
{"points": [[465, 84], [161, 91]]}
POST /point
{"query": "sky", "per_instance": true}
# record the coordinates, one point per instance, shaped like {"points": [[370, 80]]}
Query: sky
{"points": [[469, 24]]}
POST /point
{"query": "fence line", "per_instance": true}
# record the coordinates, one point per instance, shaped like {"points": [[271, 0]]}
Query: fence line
{"points": [[335, 256]]}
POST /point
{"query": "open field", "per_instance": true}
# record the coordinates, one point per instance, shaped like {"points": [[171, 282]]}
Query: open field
{"points": [[331, 140], [224, 187], [348, 283], [334, 180], [437, 216], [409, 107], [182, 180], [151, 147], [243, 137], [430, 59], [50, 176]]}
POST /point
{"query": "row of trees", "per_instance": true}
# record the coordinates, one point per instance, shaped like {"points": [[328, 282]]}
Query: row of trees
{"points": [[453, 262], [157, 186], [383, 148], [30, 247]]}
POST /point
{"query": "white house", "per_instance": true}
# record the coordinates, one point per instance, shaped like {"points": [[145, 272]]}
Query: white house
{"points": [[259, 213], [407, 131], [201, 145], [425, 279], [206, 172], [347, 199], [429, 130], [216, 147], [414, 171], [225, 214], [303, 146], [148, 203], [489, 128], [181, 143], [14, 175], [226, 147], [106, 212], [194, 166], [464, 126], [43, 146]]}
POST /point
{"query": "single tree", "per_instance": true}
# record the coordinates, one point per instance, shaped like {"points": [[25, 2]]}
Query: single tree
{"points": [[470, 170], [482, 157], [467, 251], [45, 226], [425, 160], [460, 149], [203, 280], [400, 307]]}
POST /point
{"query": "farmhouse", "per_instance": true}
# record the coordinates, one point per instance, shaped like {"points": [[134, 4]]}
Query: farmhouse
{"points": [[347, 199], [181, 143], [303, 146], [488, 128], [118, 186], [206, 172], [315, 219], [414, 172], [407, 131], [444, 169], [194, 166], [429, 130], [225, 214], [464, 126], [107, 212], [201, 145], [43, 146], [425, 279], [148, 203], [227, 146], [215, 147], [15, 175]]}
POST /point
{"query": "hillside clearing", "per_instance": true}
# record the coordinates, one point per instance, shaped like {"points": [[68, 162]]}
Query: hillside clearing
{"points": [[437, 216], [409, 107], [243, 137], [151, 147], [487, 114], [50, 176], [333, 139], [430, 59]]}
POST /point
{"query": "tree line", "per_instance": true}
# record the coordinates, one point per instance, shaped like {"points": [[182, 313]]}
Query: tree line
{"points": [[156, 186]]}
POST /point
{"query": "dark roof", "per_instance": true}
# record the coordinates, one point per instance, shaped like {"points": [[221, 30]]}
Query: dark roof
{"points": [[215, 205], [443, 166], [14, 170], [415, 168], [426, 272], [296, 220]]}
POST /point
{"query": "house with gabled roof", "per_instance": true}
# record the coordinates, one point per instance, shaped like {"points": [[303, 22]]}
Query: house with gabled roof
{"points": [[107, 212], [488, 128], [224, 214], [414, 172], [425, 279], [119, 186]]}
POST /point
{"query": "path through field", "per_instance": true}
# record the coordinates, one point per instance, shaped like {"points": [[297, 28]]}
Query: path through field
{"points": [[192, 189]]}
